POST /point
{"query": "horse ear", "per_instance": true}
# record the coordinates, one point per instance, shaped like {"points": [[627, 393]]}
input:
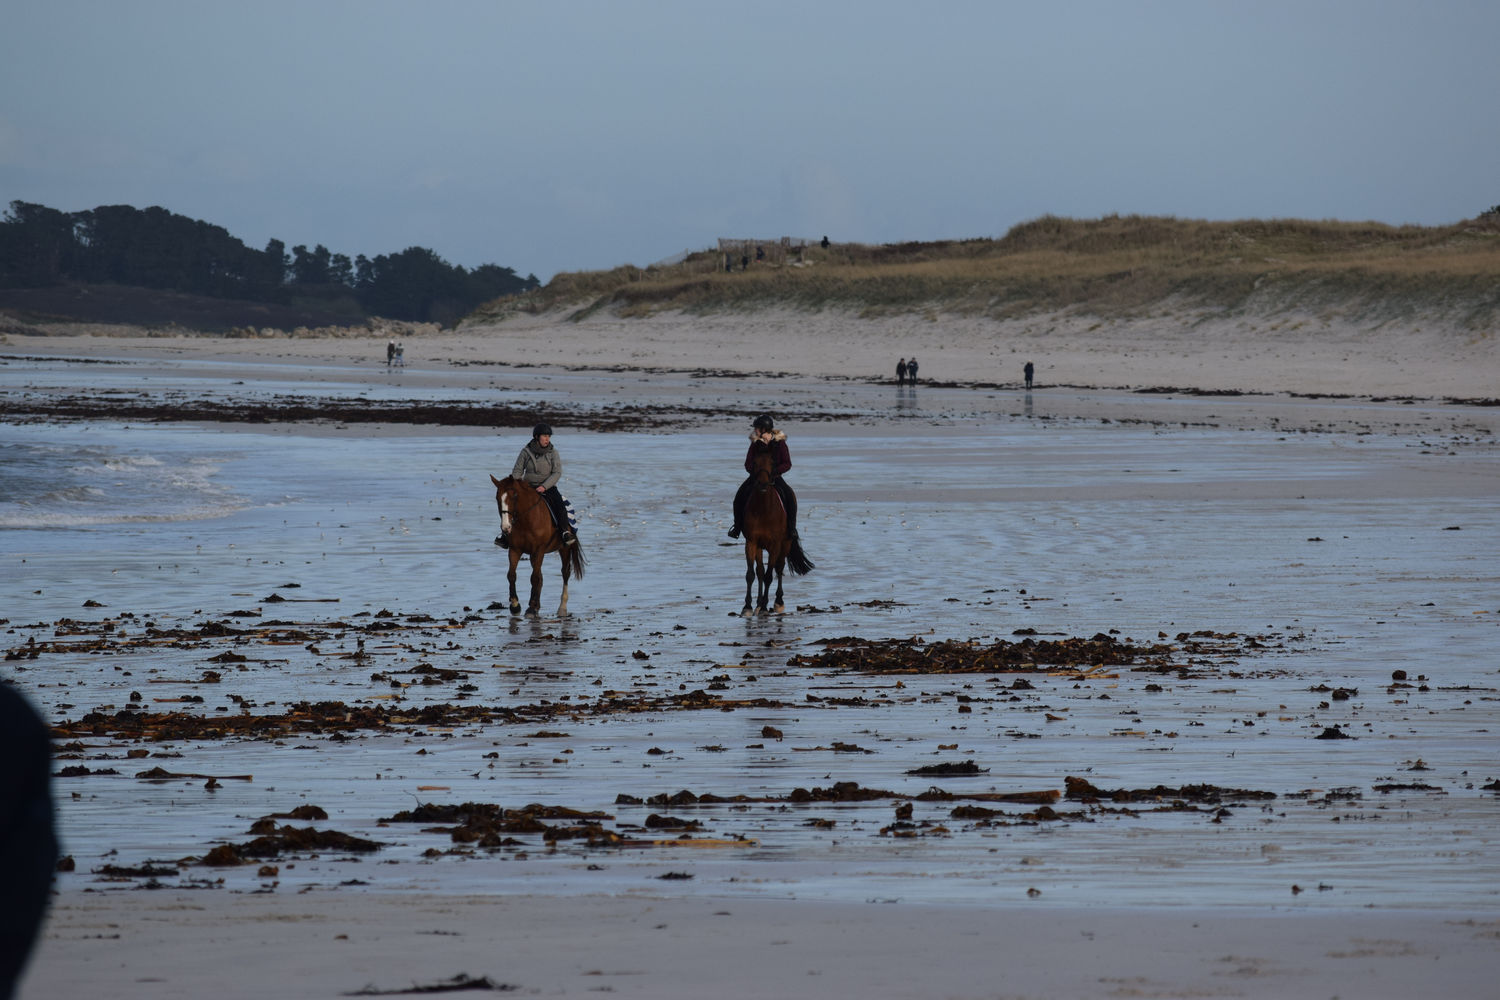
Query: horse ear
{"points": [[494, 480]]}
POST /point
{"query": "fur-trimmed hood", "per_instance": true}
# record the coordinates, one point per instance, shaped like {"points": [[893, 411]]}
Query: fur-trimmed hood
{"points": [[776, 436]]}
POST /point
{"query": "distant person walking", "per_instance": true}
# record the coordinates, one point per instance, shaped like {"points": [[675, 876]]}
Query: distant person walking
{"points": [[911, 370], [390, 352], [901, 372], [1030, 370]]}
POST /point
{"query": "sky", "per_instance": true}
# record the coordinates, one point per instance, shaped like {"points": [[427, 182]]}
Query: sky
{"points": [[571, 135]]}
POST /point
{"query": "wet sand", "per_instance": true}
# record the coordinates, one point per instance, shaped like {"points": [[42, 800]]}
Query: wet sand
{"points": [[1203, 835], [188, 945]]}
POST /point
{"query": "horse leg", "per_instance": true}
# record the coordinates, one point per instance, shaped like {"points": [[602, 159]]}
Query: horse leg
{"points": [[763, 598], [780, 601], [562, 605], [749, 579], [534, 606], [515, 602]]}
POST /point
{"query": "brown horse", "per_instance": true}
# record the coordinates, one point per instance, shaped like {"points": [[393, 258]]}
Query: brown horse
{"points": [[767, 547], [525, 518]]}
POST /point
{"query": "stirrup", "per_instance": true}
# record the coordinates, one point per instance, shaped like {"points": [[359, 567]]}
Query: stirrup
{"points": [[568, 538]]}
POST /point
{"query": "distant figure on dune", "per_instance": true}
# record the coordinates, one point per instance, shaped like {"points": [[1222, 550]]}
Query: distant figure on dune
{"points": [[1030, 370], [901, 372], [824, 244], [28, 847], [911, 370]]}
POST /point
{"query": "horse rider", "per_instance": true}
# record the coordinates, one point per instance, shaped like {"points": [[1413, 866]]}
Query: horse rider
{"points": [[540, 466], [765, 437]]}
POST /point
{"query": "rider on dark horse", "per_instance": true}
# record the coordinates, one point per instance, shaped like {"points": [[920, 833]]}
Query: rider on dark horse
{"points": [[540, 466], [765, 437]]}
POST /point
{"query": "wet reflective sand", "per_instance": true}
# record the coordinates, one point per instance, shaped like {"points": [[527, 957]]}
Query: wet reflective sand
{"points": [[1336, 542]]}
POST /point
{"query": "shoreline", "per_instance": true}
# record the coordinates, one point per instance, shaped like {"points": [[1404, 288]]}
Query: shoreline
{"points": [[1290, 355]]}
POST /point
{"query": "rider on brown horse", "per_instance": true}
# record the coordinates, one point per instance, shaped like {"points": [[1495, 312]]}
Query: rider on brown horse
{"points": [[765, 437], [540, 466]]}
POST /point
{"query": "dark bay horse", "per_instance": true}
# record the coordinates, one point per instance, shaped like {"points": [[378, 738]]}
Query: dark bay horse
{"points": [[767, 547], [525, 518]]}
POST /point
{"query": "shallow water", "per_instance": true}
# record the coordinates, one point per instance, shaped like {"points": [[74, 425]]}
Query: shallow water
{"points": [[1350, 553]]}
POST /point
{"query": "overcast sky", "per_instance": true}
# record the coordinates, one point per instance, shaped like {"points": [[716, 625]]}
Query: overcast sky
{"points": [[581, 134]]}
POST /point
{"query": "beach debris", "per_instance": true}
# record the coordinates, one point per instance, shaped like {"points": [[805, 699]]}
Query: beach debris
{"points": [[305, 812], [1080, 789], [965, 768], [363, 410], [146, 870], [162, 774], [1074, 658], [273, 841], [462, 982]]}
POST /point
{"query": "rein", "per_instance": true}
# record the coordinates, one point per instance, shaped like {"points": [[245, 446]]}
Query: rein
{"points": [[536, 497]]}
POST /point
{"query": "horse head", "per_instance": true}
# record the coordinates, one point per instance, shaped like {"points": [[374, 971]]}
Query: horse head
{"points": [[764, 461], [505, 501]]}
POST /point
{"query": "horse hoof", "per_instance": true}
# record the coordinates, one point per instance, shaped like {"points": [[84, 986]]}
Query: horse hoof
{"points": [[515, 609], [745, 611], [780, 609], [533, 613]]}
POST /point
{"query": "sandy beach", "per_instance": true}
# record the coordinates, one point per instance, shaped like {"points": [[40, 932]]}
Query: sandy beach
{"points": [[1286, 353], [1323, 493]]}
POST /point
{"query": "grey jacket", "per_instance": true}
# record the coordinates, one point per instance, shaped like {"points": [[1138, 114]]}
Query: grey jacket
{"points": [[538, 466]]}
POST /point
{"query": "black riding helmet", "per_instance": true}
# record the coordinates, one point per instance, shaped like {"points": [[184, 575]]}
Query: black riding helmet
{"points": [[764, 423], [541, 429]]}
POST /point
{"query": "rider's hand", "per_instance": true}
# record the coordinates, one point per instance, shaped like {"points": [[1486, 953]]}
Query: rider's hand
{"points": [[541, 489]]}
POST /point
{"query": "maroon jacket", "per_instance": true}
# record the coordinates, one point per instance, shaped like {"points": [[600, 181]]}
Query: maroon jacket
{"points": [[781, 455]]}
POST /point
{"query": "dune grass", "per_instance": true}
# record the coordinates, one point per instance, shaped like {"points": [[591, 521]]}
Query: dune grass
{"points": [[1114, 267]]}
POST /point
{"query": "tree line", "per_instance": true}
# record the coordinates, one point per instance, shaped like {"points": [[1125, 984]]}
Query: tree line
{"points": [[155, 248]]}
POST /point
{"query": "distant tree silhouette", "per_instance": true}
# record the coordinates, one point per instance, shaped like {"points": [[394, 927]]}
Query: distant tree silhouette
{"points": [[154, 248]]}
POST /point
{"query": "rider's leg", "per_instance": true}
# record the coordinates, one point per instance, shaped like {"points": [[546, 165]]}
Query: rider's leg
{"points": [[789, 501], [559, 514], [739, 508]]}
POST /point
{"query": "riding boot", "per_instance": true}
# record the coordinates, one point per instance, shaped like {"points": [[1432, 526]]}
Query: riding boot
{"points": [[739, 509]]}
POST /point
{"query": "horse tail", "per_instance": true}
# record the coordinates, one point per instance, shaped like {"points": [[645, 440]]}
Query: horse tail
{"points": [[574, 555], [796, 559]]}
